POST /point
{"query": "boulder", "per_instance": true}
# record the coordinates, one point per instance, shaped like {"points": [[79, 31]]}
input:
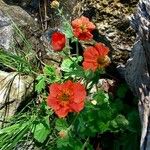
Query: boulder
{"points": [[18, 15], [14, 89], [13, 18], [6, 32]]}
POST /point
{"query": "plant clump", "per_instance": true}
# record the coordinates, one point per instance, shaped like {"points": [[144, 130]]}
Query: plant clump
{"points": [[68, 109]]}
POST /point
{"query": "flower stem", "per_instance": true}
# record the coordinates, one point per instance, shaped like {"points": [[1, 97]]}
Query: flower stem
{"points": [[72, 122], [77, 48], [85, 144]]}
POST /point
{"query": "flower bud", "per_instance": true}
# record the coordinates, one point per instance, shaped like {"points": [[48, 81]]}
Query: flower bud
{"points": [[55, 4], [62, 133]]}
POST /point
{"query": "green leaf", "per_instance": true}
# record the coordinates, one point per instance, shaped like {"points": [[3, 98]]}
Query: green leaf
{"points": [[61, 124], [41, 132], [101, 97], [74, 39], [69, 65], [79, 58], [122, 90], [113, 124], [75, 144], [121, 120], [103, 127], [134, 121], [41, 83], [49, 70], [67, 29], [9, 129], [63, 143], [117, 106], [76, 72], [66, 65]]}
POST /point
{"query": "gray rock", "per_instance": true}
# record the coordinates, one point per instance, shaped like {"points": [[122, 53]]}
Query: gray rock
{"points": [[14, 88], [137, 72], [11, 16], [6, 32], [18, 15]]}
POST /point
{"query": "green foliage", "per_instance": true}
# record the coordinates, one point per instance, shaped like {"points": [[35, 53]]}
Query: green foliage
{"points": [[103, 115], [68, 64], [122, 90], [100, 118], [49, 76], [41, 132], [27, 126], [68, 143], [41, 83], [67, 29], [9, 136], [61, 124], [101, 98], [15, 62]]}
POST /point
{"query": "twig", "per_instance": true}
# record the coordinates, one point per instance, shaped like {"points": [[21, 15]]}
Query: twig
{"points": [[41, 16], [45, 13]]}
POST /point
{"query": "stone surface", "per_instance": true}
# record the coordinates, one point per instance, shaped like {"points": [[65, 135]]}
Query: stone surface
{"points": [[6, 32], [137, 72], [18, 15], [13, 18], [14, 88]]}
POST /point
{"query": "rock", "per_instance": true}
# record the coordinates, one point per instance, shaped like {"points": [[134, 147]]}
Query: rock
{"points": [[106, 85], [14, 89], [13, 18], [6, 32], [18, 15]]}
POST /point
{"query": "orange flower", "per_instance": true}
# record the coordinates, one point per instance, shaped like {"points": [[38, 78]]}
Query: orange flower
{"points": [[66, 97], [58, 41], [82, 28], [96, 57]]}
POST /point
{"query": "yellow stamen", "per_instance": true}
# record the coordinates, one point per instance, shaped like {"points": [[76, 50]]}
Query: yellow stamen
{"points": [[103, 61]]}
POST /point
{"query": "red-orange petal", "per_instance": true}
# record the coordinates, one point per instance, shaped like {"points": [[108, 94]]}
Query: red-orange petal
{"points": [[89, 66], [77, 32], [85, 36], [53, 103], [90, 53], [58, 41], [77, 107], [102, 49], [74, 101], [55, 89], [90, 26], [79, 93], [62, 112], [67, 85], [88, 23]]}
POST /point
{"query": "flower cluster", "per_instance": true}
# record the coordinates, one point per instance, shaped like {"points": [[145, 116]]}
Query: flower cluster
{"points": [[70, 96]]}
